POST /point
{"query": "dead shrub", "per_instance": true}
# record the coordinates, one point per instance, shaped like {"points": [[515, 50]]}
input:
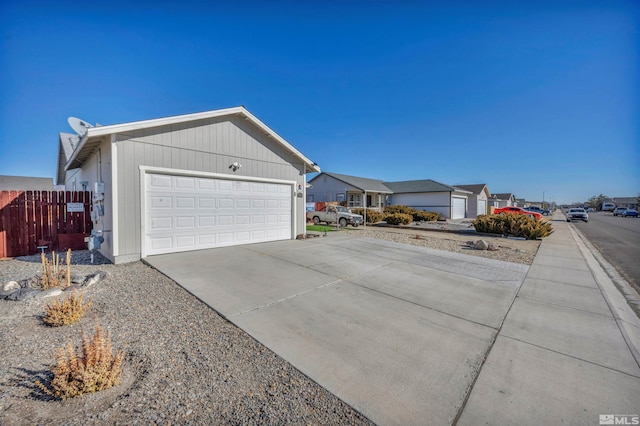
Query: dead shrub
{"points": [[93, 369], [70, 310], [52, 274]]}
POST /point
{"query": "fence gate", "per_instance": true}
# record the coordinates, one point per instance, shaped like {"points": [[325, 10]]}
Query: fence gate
{"points": [[29, 219]]}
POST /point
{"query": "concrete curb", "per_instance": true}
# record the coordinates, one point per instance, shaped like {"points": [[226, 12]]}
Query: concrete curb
{"points": [[618, 294]]}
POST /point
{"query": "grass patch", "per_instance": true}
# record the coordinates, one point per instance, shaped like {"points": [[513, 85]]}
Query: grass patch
{"points": [[320, 228]]}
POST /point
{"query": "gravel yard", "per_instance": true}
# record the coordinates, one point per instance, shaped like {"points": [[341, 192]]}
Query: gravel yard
{"points": [[510, 250], [184, 363]]}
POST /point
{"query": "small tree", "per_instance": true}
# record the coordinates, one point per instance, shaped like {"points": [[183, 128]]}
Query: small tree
{"points": [[597, 200]]}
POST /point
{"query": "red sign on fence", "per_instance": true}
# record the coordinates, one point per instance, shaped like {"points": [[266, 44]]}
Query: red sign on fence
{"points": [[32, 219]]}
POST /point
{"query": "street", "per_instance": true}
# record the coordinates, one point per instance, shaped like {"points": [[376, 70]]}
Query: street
{"points": [[618, 240]]}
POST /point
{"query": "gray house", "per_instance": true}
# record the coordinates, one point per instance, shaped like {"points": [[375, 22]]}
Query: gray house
{"points": [[503, 200], [352, 190], [628, 202], [188, 182], [431, 195], [420, 194], [478, 199]]}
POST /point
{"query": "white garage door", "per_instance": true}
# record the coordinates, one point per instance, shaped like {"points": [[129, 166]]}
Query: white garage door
{"points": [[459, 207], [482, 207], [190, 213]]}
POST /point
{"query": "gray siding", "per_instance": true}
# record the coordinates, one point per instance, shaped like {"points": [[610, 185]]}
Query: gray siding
{"points": [[208, 146], [326, 187]]}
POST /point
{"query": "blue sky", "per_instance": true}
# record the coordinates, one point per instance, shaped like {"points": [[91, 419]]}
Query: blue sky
{"points": [[528, 97]]}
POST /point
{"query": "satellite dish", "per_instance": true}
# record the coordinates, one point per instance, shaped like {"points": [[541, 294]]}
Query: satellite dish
{"points": [[79, 126]]}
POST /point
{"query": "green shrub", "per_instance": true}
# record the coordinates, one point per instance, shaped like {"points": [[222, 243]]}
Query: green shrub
{"points": [[398, 209], [420, 215], [512, 224], [398, 219], [373, 216], [417, 215]]}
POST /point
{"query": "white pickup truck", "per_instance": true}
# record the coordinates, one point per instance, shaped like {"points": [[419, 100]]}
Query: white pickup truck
{"points": [[334, 214]]}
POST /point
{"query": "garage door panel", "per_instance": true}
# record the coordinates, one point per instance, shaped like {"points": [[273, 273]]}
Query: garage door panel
{"points": [[482, 207], [186, 222], [206, 221], [206, 239], [184, 182], [161, 202], [459, 207], [161, 223], [161, 243], [243, 203], [160, 182], [187, 213], [206, 203], [185, 202]]}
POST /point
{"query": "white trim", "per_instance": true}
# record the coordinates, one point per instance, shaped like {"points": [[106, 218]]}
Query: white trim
{"points": [[184, 172], [181, 172], [114, 195], [95, 132], [143, 211]]}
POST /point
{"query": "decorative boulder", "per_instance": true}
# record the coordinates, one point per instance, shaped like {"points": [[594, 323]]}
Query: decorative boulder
{"points": [[94, 278], [481, 245], [10, 286], [48, 293], [23, 294]]}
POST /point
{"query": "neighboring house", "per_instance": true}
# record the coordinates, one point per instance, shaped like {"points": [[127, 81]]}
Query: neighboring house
{"points": [[25, 183], [352, 190], [431, 196], [420, 194], [188, 182], [503, 200], [520, 202], [478, 200], [628, 202]]}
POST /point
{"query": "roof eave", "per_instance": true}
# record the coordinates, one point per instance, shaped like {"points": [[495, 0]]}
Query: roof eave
{"points": [[96, 132]]}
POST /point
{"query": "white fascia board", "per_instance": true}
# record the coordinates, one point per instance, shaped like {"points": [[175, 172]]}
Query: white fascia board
{"points": [[115, 222], [193, 173], [157, 122], [83, 140]]}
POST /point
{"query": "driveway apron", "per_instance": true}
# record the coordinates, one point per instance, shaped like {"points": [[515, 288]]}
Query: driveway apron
{"points": [[396, 331]]}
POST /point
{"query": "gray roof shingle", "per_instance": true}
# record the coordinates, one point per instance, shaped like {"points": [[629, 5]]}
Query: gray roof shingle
{"points": [[427, 185], [365, 184], [474, 189]]}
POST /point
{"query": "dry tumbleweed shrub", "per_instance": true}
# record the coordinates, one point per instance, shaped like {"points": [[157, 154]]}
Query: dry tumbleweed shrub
{"points": [[94, 369], [66, 312]]}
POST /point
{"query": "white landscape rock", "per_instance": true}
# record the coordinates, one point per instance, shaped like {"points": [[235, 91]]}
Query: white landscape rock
{"points": [[52, 292], [10, 286]]}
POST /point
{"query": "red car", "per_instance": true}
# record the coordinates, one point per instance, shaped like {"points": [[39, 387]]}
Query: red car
{"points": [[516, 210]]}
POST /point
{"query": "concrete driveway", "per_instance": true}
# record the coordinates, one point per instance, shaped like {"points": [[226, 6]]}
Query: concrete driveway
{"points": [[396, 331]]}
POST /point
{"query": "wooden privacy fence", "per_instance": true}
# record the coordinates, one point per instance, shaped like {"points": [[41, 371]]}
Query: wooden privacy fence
{"points": [[29, 219]]}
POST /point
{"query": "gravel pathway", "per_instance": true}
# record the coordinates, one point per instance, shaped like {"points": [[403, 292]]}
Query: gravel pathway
{"points": [[184, 363]]}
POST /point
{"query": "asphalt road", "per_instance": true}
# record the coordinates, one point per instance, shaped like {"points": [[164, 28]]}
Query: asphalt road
{"points": [[618, 240]]}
